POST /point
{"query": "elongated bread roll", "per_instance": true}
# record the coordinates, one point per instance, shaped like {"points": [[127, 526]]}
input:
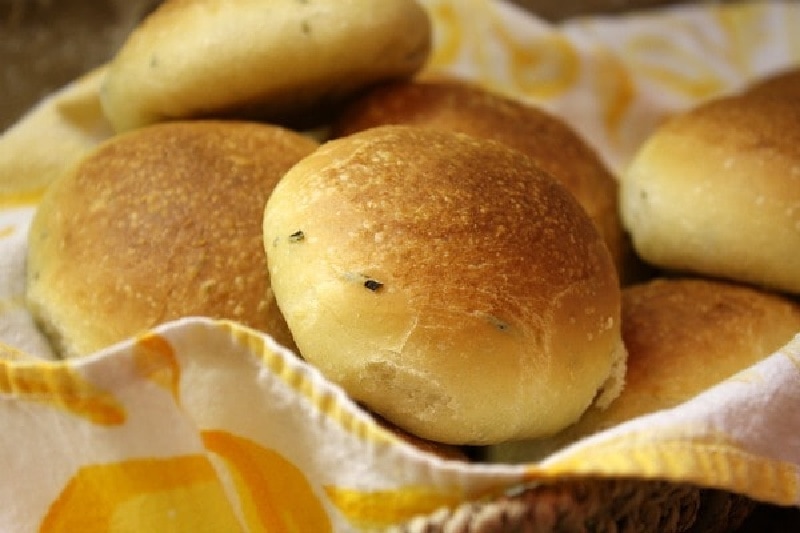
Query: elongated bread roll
{"points": [[447, 283], [279, 60]]}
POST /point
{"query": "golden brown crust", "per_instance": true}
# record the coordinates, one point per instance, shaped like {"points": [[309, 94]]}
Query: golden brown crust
{"points": [[686, 335], [785, 83], [436, 271], [155, 225], [462, 106], [280, 61], [683, 336], [716, 191]]}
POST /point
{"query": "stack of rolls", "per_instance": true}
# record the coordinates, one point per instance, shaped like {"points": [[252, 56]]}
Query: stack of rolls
{"points": [[163, 220], [712, 202], [408, 263], [444, 247], [458, 105]]}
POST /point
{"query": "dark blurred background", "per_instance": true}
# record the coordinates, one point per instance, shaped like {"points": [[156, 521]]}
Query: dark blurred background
{"points": [[46, 43]]}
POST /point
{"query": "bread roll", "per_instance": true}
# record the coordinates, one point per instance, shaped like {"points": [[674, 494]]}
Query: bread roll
{"points": [[158, 224], [716, 191], [784, 83], [462, 106], [683, 336], [447, 283], [280, 60]]}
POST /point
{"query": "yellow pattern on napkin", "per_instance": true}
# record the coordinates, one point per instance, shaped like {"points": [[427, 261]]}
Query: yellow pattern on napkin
{"points": [[176, 494], [61, 387]]}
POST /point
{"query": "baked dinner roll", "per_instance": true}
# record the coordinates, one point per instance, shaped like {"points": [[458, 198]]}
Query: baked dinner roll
{"points": [[280, 60], [716, 191], [447, 283], [158, 224], [785, 83], [465, 107], [683, 336]]}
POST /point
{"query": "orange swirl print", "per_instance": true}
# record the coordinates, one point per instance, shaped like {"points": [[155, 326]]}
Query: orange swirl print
{"points": [[165, 495], [616, 93], [156, 360], [274, 494], [659, 58], [740, 39], [541, 67], [448, 36]]}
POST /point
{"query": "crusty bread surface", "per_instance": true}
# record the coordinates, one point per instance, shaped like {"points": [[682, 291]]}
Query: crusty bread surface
{"points": [[716, 191], [283, 60], [784, 83], [466, 107], [158, 224], [683, 336], [447, 283]]}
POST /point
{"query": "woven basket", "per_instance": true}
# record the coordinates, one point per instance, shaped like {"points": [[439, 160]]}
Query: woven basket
{"points": [[596, 505]]}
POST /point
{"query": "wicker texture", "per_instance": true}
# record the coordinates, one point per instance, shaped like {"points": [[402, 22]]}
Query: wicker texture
{"points": [[613, 506]]}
